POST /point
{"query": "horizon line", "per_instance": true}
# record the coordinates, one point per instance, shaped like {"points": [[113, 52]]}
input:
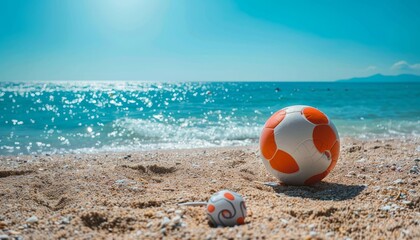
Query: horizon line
{"points": [[231, 80]]}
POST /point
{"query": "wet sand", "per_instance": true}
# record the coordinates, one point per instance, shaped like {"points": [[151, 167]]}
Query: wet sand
{"points": [[372, 193]]}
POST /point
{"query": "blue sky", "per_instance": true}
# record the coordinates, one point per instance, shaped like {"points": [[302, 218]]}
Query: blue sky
{"points": [[207, 40]]}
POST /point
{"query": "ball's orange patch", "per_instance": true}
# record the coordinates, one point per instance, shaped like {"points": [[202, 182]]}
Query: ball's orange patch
{"points": [[240, 220], [283, 162], [335, 152], [229, 196], [314, 116], [275, 119], [267, 143], [226, 214], [211, 208], [323, 137]]}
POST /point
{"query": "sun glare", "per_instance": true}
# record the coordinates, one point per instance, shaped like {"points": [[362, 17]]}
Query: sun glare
{"points": [[126, 14]]}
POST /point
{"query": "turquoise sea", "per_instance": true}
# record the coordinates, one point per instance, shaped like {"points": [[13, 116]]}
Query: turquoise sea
{"points": [[94, 116]]}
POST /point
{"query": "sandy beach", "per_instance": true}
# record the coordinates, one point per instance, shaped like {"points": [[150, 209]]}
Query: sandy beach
{"points": [[373, 193]]}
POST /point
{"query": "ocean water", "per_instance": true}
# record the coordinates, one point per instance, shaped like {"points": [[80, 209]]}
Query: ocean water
{"points": [[95, 116]]}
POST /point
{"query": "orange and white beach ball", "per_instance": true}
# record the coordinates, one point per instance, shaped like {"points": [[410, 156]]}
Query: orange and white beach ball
{"points": [[299, 145]]}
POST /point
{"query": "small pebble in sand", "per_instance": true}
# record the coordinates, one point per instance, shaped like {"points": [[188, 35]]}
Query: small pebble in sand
{"points": [[135, 189], [14, 232], [312, 226], [165, 222], [179, 212], [176, 220], [386, 208], [120, 181], [4, 237], [159, 214], [399, 181], [32, 219], [415, 170], [65, 220]]}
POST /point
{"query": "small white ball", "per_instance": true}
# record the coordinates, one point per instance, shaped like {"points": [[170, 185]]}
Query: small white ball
{"points": [[226, 208]]}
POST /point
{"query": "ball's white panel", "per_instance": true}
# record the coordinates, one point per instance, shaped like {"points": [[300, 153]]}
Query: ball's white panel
{"points": [[310, 160], [295, 108], [292, 131]]}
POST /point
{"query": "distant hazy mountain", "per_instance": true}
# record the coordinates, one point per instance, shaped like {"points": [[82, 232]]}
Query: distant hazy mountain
{"points": [[384, 78]]}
